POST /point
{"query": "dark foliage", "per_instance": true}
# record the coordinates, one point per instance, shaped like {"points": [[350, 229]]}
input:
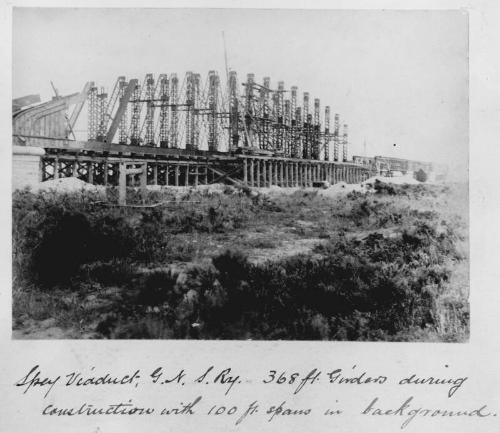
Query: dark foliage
{"points": [[375, 288], [55, 234], [376, 285], [421, 175]]}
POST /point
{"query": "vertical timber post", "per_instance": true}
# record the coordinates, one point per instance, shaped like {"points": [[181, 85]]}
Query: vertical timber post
{"points": [[251, 173], [155, 174], [122, 184], [144, 178], [176, 174]]}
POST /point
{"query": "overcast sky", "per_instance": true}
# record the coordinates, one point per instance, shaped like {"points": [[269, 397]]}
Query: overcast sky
{"points": [[398, 78]]}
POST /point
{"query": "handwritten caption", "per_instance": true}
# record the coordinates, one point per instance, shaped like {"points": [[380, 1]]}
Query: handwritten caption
{"points": [[228, 381]]}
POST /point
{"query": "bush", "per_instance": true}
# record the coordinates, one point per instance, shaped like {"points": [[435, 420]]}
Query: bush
{"points": [[112, 273], [376, 288], [55, 234], [158, 288], [421, 176], [62, 247], [373, 285]]}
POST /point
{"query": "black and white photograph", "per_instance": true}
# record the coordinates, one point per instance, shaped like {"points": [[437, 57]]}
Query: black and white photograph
{"points": [[240, 174]]}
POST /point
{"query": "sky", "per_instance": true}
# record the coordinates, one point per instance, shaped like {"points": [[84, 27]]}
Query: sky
{"points": [[399, 79]]}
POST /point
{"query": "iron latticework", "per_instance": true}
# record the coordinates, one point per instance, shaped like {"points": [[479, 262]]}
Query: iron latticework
{"points": [[336, 137], [327, 134], [213, 91], [169, 114], [344, 143], [164, 110], [93, 113]]}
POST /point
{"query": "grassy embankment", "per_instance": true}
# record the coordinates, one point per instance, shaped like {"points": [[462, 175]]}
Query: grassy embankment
{"points": [[390, 265]]}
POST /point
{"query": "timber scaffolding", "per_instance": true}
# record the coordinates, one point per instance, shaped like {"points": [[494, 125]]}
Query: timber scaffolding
{"points": [[186, 134]]}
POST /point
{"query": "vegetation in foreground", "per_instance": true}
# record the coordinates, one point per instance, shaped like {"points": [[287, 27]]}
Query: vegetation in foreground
{"points": [[236, 264]]}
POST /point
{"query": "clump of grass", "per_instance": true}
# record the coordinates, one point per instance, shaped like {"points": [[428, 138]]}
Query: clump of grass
{"points": [[260, 243]]}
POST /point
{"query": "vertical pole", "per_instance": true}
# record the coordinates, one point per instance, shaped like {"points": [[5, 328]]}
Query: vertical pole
{"points": [[176, 174], [122, 184], [144, 177], [258, 173], [286, 174], [270, 172], [264, 183], [41, 170], [186, 179], [90, 170], [56, 167], [196, 169], [327, 133], [105, 172], [74, 171], [245, 175], [251, 173]]}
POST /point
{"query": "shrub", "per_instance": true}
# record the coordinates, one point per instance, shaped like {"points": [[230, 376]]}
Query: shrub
{"points": [[158, 288], [421, 175], [63, 245], [115, 272]]}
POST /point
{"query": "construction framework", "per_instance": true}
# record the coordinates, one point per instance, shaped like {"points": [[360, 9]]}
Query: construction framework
{"points": [[193, 132]]}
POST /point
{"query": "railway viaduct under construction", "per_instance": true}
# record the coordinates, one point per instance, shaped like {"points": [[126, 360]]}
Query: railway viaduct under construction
{"points": [[167, 131]]}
